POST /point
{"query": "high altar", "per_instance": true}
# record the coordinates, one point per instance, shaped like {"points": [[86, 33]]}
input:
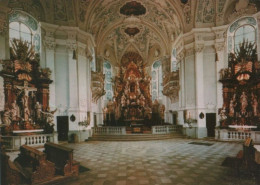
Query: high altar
{"points": [[132, 104], [26, 89]]}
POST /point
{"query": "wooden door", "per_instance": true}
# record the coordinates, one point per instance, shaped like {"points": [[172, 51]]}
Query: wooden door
{"points": [[211, 124], [63, 127], [174, 118]]}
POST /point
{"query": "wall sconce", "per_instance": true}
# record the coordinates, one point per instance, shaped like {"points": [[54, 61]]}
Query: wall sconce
{"points": [[74, 57]]}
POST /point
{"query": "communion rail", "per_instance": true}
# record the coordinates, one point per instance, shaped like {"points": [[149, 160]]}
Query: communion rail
{"points": [[14, 142], [109, 130], [166, 129], [237, 135]]}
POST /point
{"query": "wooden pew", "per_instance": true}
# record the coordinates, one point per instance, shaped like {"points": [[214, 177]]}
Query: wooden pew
{"points": [[63, 159], [33, 165], [9, 173]]}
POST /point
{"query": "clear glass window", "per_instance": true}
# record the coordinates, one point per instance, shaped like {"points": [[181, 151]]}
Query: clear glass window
{"points": [[107, 70], [157, 86], [244, 33], [20, 31]]}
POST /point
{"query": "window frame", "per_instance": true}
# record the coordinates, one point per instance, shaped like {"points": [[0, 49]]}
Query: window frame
{"points": [[20, 32], [107, 81]]}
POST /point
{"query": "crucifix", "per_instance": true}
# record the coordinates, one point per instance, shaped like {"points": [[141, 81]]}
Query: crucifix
{"points": [[25, 97]]}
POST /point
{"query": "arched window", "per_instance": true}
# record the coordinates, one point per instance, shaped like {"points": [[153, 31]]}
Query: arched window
{"points": [[24, 27], [107, 70], [157, 80], [20, 31], [241, 30], [244, 33]]}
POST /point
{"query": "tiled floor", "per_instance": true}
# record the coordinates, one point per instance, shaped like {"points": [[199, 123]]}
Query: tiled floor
{"points": [[172, 161]]}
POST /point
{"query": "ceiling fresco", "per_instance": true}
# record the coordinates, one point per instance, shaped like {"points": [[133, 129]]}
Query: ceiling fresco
{"points": [[148, 27]]}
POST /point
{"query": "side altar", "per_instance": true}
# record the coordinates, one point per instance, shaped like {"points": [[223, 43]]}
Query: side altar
{"points": [[240, 114], [26, 89]]}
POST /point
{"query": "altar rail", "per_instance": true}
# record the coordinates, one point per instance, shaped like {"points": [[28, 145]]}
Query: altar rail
{"points": [[166, 129], [237, 135], [109, 130], [14, 142]]}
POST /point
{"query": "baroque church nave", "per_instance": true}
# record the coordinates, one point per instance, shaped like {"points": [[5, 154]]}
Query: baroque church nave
{"points": [[110, 71]]}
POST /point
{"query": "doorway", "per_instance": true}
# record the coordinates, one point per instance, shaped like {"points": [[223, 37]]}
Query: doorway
{"points": [[211, 124], [174, 118], [63, 127]]}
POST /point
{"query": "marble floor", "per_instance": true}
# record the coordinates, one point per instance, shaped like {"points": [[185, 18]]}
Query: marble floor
{"points": [[172, 161]]}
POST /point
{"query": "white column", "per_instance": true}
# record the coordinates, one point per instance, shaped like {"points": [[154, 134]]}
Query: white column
{"points": [[49, 43], [73, 85], [4, 50], [73, 82], [182, 79], [199, 81], [88, 92], [219, 65]]}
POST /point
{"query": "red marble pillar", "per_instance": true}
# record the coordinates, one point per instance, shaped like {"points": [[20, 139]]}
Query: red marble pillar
{"points": [[44, 98], [9, 95]]}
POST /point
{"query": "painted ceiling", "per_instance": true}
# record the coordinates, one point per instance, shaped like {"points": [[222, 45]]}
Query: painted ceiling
{"points": [[148, 27]]}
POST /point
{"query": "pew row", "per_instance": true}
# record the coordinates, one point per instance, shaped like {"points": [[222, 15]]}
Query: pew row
{"points": [[33, 165], [62, 157]]}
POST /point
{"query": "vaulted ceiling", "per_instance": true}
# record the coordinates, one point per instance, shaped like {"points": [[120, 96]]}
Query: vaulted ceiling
{"points": [[148, 27]]}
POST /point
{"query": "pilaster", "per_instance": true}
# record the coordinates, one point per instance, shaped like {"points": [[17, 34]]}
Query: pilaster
{"points": [[220, 64], [180, 60], [199, 81], [49, 44]]}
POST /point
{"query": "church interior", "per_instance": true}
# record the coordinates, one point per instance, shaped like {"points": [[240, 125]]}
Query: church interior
{"points": [[120, 92]]}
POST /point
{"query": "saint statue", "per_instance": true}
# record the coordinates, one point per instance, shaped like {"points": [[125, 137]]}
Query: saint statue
{"points": [[38, 109], [244, 103], [6, 119], [254, 105], [49, 115], [15, 111], [223, 114], [232, 105]]}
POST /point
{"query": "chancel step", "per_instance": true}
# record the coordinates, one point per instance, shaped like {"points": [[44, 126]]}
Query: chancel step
{"points": [[134, 137]]}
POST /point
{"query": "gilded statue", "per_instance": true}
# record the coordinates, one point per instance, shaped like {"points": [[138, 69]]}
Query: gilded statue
{"points": [[6, 117], [38, 109], [15, 111], [244, 102], [232, 105], [254, 105]]}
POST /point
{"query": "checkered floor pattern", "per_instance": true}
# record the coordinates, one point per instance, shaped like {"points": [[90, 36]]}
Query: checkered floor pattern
{"points": [[172, 161]]}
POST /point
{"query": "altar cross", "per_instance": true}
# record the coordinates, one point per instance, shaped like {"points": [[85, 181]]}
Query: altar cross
{"points": [[25, 88]]}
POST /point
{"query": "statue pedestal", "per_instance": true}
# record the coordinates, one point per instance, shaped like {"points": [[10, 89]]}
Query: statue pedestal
{"points": [[27, 125]]}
